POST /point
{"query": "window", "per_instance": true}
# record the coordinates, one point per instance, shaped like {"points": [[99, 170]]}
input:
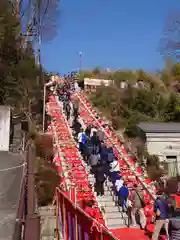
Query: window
{"points": [[172, 166]]}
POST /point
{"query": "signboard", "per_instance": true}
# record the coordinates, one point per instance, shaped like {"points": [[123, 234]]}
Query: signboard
{"points": [[97, 82]]}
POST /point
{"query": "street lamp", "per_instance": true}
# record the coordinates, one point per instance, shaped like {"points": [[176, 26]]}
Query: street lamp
{"points": [[80, 61]]}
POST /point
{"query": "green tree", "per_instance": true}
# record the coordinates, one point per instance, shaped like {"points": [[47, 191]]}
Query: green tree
{"points": [[96, 71]]}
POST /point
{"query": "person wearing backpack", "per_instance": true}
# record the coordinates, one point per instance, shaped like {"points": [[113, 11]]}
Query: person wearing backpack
{"points": [[138, 205], [123, 196], [111, 155], [100, 178], [82, 141], [95, 143], [88, 130], [76, 108], [68, 110], [100, 134], [114, 168], [161, 210], [93, 161]]}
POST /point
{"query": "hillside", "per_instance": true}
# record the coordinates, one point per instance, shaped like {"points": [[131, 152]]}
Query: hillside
{"points": [[147, 97]]}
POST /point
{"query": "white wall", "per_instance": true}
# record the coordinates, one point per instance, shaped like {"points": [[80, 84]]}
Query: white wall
{"points": [[164, 145], [97, 82], [4, 128]]}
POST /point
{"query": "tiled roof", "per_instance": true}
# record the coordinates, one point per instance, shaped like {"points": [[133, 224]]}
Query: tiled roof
{"points": [[160, 127]]}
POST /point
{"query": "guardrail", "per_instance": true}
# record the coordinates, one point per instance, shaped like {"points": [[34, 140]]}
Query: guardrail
{"points": [[27, 226], [74, 223]]}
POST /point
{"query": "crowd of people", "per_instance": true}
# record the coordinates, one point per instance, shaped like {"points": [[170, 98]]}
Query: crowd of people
{"points": [[102, 159]]}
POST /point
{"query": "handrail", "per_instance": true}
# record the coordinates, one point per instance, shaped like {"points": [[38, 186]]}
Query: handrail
{"points": [[119, 151], [19, 216], [85, 214]]}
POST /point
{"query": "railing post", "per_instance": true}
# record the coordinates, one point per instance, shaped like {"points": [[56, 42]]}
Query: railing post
{"points": [[64, 220], [32, 222], [20, 217], [31, 181], [57, 216], [76, 226], [102, 237], [32, 228]]}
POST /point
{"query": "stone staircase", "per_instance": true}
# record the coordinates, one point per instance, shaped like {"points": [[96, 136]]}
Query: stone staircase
{"points": [[113, 215], [48, 223]]}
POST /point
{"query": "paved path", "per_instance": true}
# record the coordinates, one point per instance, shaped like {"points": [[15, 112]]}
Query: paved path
{"points": [[11, 170]]}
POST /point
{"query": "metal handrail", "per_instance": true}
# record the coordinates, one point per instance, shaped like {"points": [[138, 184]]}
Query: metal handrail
{"points": [[20, 217]]}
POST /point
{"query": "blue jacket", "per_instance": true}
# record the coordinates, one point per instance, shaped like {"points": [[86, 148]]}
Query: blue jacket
{"points": [[124, 192], [115, 176], [84, 138], [110, 155], [162, 205]]}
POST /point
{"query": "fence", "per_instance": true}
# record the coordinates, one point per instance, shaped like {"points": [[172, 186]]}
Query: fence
{"points": [[71, 220], [27, 225], [75, 224]]}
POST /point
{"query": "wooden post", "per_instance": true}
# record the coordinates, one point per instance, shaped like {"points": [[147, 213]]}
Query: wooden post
{"points": [[32, 227], [31, 181], [32, 221], [64, 220], [76, 226], [57, 216]]}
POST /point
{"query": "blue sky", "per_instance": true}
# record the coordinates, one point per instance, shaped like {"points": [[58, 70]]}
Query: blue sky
{"points": [[110, 34]]}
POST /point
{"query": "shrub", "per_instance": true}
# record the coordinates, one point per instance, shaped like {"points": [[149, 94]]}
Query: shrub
{"points": [[172, 185], [154, 173], [44, 146], [153, 168], [47, 179]]}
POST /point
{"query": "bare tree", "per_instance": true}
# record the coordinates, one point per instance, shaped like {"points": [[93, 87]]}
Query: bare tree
{"points": [[170, 44], [43, 18], [37, 19]]}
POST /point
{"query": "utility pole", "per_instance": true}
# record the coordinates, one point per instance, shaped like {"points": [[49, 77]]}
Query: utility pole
{"points": [[17, 9]]}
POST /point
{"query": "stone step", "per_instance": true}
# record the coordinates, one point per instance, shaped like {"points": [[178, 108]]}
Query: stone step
{"points": [[107, 204], [115, 221], [111, 215], [111, 209], [106, 198], [116, 226], [48, 223]]}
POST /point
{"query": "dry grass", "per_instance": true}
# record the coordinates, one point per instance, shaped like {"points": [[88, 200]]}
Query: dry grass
{"points": [[44, 146], [47, 179]]}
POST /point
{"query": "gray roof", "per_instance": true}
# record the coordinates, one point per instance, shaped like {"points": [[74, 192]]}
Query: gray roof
{"points": [[158, 127], [10, 182]]}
